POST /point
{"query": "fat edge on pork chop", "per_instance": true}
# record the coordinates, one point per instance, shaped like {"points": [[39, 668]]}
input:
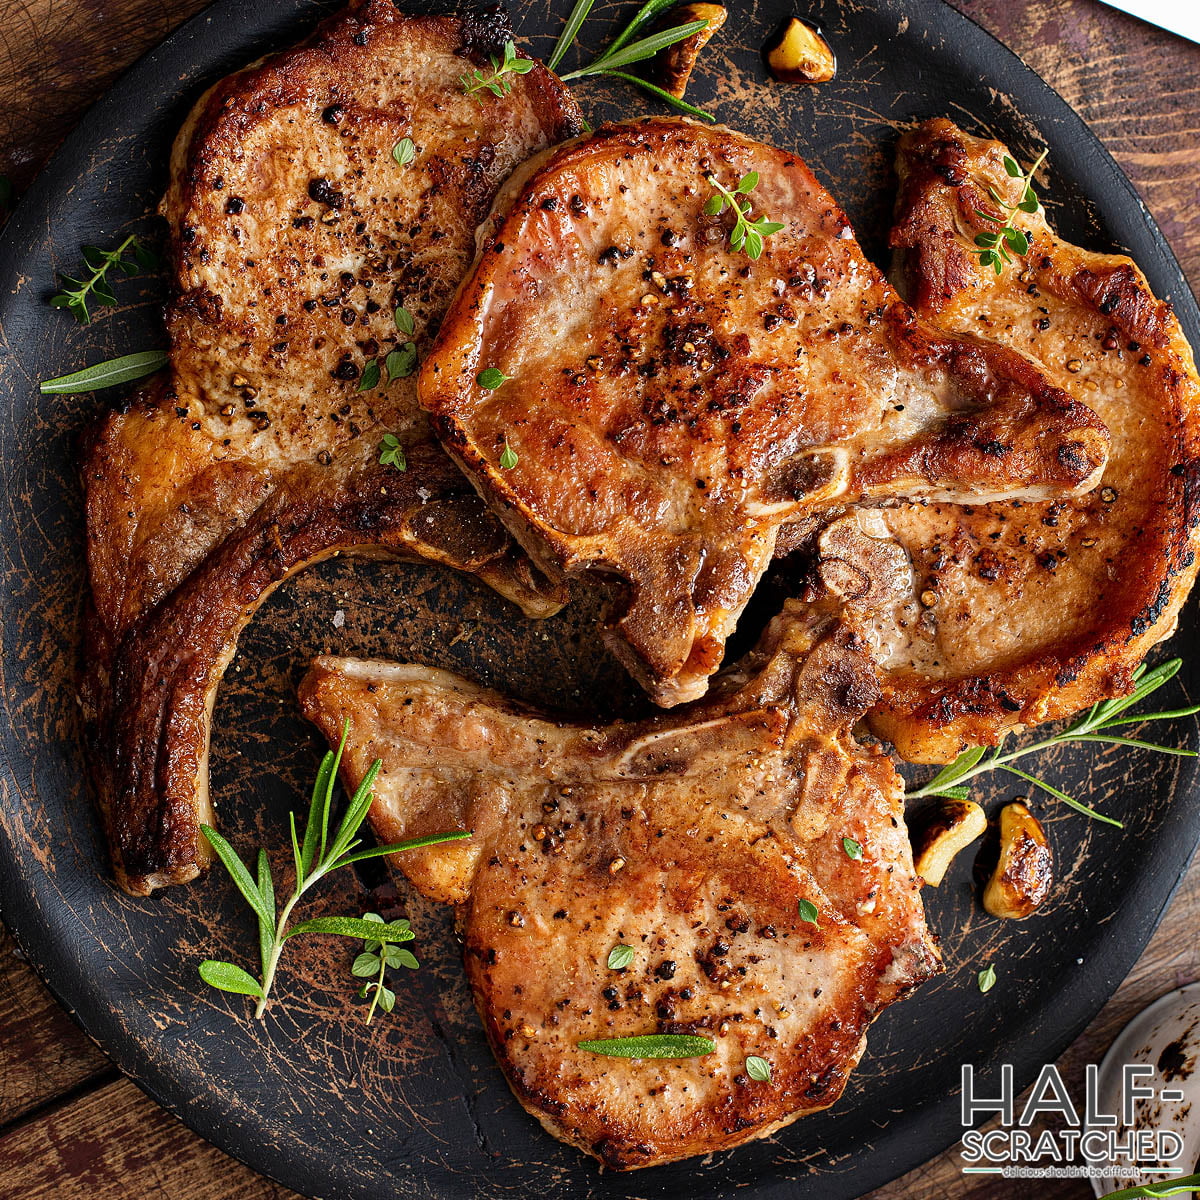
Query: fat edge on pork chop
{"points": [[1001, 615]]}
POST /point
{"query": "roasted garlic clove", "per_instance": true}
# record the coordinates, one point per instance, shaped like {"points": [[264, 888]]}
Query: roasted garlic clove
{"points": [[797, 53], [676, 62], [953, 827], [1024, 873]]}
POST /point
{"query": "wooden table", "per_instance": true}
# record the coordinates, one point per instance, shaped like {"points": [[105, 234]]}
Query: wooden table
{"points": [[70, 1125]]}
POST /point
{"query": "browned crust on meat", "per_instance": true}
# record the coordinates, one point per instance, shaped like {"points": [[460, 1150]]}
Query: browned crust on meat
{"points": [[256, 454], [944, 174], [717, 818], [651, 449]]}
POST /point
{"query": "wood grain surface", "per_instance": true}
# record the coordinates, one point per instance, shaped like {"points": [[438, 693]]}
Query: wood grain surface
{"points": [[70, 1125]]}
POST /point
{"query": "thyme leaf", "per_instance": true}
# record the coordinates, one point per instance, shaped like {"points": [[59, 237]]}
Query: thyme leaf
{"points": [[758, 1068], [391, 452]]}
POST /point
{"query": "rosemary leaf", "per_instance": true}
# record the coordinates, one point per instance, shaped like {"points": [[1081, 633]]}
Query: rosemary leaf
{"points": [[106, 374], [652, 1045]]}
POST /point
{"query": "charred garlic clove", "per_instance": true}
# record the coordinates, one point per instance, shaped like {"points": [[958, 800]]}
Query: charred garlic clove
{"points": [[678, 60], [1023, 875], [797, 53], [954, 826]]}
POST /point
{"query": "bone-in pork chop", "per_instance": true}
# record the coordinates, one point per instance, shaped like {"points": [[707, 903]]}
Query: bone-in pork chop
{"points": [[670, 401], [693, 839], [311, 195], [1002, 614]]}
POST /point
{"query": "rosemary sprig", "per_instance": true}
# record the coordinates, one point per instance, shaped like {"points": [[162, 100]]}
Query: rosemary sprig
{"points": [[1092, 726], [320, 853], [106, 374], [746, 234], [1155, 1191], [992, 247], [625, 50], [375, 959], [99, 262], [497, 82]]}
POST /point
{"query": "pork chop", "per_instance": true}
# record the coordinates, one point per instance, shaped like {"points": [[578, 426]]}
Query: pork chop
{"points": [[311, 195], [997, 615], [668, 402], [694, 839]]}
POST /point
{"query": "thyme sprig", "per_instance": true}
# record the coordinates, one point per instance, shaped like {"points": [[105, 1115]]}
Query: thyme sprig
{"points": [[96, 285], [627, 48], [375, 959], [746, 234], [323, 851], [497, 82], [1095, 725], [992, 246]]}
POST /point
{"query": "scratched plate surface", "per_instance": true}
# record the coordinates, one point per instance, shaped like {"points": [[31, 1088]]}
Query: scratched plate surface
{"points": [[414, 1106]]}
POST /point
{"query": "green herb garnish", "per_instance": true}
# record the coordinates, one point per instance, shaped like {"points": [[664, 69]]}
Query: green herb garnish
{"points": [[370, 376], [508, 457], [401, 362], [619, 957], [496, 82], [992, 247], [491, 378], [391, 452], [652, 1045], [106, 374], [404, 320], [808, 911], [1091, 726], [320, 853], [987, 978], [404, 151], [852, 848], [99, 262], [746, 234], [625, 51], [758, 1069], [374, 961], [1154, 1191]]}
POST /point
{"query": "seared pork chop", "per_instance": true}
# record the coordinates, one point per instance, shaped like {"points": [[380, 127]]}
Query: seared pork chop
{"points": [[671, 402], [295, 234], [692, 838], [1003, 614]]}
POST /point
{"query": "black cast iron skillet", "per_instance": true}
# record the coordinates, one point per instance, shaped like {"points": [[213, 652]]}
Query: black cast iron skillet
{"points": [[414, 1106]]}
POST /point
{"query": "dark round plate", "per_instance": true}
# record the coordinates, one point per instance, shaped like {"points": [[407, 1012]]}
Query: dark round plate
{"points": [[414, 1105]]}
